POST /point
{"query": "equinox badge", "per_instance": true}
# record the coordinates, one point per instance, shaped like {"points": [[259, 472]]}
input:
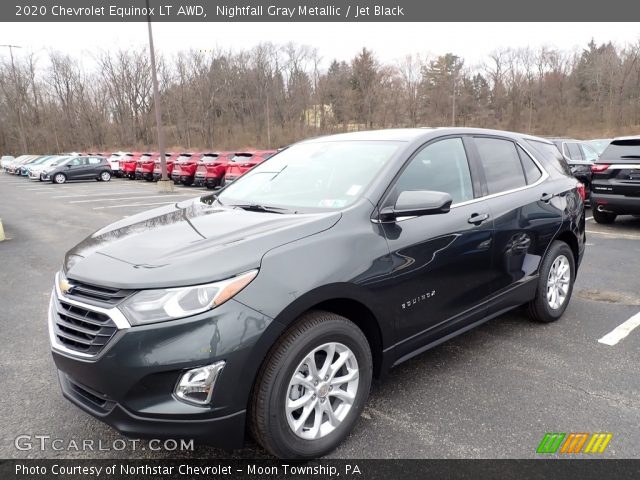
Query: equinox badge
{"points": [[418, 299]]}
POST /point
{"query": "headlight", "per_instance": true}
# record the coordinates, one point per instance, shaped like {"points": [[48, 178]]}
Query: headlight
{"points": [[150, 306]]}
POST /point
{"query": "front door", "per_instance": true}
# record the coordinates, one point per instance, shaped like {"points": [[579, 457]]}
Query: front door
{"points": [[441, 262]]}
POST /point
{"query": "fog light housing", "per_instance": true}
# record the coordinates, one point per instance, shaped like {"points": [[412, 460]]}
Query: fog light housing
{"points": [[196, 385]]}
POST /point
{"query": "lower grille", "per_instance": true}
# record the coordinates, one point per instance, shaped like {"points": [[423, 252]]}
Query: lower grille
{"points": [[88, 397], [81, 329]]}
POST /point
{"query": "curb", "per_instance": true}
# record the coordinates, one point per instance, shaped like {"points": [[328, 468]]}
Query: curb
{"points": [[2, 237]]}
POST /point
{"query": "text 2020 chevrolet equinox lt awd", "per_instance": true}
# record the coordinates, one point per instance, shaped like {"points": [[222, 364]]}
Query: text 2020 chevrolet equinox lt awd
{"points": [[273, 303]]}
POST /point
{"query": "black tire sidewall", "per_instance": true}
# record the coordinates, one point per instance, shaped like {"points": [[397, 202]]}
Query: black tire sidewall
{"points": [[556, 249], [604, 217], [330, 331]]}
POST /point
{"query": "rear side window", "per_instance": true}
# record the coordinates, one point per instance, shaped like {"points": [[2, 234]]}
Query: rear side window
{"points": [[572, 150], [501, 163], [442, 167], [552, 156], [628, 149], [95, 161], [531, 171]]}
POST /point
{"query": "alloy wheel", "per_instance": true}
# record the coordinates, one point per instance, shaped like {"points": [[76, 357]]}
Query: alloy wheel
{"points": [[322, 391], [558, 282]]}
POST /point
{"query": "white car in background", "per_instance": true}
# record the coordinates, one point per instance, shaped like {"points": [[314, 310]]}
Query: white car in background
{"points": [[36, 170], [6, 159], [114, 162]]}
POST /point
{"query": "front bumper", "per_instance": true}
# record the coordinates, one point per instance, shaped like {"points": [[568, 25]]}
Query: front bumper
{"points": [[618, 204], [129, 384]]}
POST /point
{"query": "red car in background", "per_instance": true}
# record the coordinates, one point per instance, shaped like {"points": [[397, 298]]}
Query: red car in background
{"points": [[157, 170], [145, 166], [128, 164], [242, 162], [211, 169], [184, 169]]}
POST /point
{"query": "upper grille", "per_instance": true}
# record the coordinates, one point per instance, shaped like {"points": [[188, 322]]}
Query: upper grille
{"points": [[81, 329], [103, 295]]}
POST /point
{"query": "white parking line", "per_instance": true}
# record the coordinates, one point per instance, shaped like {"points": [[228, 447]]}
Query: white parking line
{"points": [[588, 218], [133, 205], [93, 194], [612, 234], [621, 331], [174, 195]]}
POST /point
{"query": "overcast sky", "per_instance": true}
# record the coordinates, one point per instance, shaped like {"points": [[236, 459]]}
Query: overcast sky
{"points": [[390, 41]]}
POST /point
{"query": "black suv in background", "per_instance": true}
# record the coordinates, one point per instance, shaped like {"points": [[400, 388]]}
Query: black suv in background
{"points": [[616, 180], [273, 303], [78, 168], [579, 156]]}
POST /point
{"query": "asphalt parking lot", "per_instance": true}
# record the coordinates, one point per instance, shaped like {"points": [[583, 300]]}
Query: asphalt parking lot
{"points": [[490, 393]]}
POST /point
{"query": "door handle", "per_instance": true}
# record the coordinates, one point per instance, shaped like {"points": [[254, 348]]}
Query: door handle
{"points": [[546, 197], [478, 218]]}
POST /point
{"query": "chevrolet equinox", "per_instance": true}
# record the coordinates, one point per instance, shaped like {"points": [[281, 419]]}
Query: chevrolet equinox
{"points": [[271, 304]]}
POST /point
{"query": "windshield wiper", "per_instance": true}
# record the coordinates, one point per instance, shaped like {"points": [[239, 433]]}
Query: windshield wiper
{"points": [[255, 207], [630, 156]]}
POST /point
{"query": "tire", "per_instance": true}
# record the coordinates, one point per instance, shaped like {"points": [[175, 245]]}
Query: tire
{"points": [[59, 178], [269, 420], [604, 217], [543, 308], [104, 176]]}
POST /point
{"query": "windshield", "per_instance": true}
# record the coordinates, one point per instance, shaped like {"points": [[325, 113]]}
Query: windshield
{"points": [[327, 175]]}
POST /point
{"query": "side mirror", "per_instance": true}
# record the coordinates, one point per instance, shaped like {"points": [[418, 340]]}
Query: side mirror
{"points": [[417, 203]]}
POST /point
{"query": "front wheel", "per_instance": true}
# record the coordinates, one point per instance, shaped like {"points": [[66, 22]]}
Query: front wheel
{"points": [[312, 387], [59, 178], [555, 284]]}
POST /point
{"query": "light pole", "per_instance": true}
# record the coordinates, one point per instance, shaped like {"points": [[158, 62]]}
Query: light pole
{"points": [[23, 139], [164, 185]]}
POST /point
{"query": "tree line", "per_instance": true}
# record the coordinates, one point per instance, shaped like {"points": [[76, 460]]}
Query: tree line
{"points": [[272, 95]]}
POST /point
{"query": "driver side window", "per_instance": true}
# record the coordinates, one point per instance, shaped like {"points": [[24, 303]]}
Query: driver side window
{"points": [[442, 167]]}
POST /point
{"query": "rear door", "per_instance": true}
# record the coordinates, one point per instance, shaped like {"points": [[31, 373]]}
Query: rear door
{"points": [[527, 212], [94, 167]]}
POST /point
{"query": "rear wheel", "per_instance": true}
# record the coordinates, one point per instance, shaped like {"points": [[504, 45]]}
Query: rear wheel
{"points": [[604, 217], [59, 178], [555, 284], [312, 387], [105, 176]]}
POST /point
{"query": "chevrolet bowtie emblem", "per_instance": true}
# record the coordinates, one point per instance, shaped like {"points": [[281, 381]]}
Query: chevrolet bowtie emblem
{"points": [[65, 286]]}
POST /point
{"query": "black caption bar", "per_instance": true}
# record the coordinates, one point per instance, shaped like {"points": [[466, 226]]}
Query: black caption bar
{"points": [[316, 10], [320, 469]]}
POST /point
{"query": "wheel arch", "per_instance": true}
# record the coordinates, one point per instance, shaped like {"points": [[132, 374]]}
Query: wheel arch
{"points": [[347, 301], [570, 238]]}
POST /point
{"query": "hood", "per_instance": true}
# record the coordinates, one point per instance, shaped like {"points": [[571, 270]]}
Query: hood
{"points": [[188, 243]]}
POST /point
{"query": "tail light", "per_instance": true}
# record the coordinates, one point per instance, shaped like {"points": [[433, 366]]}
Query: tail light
{"points": [[599, 167], [582, 191]]}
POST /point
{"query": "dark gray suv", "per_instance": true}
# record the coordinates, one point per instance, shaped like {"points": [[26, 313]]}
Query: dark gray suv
{"points": [[269, 306]]}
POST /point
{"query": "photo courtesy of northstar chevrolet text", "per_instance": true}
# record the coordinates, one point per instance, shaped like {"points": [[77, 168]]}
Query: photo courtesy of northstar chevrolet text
{"points": [[377, 239]]}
